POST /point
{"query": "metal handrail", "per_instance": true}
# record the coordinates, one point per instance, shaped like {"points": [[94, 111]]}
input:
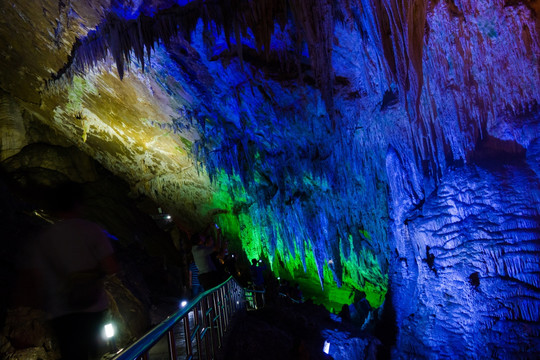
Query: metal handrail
{"points": [[211, 313], [254, 302]]}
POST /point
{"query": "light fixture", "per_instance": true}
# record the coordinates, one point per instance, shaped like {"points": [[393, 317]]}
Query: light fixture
{"points": [[183, 303], [109, 330], [326, 347]]}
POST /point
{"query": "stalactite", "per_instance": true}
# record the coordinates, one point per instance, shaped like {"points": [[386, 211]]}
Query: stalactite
{"points": [[121, 36], [316, 19], [300, 208], [305, 187]]}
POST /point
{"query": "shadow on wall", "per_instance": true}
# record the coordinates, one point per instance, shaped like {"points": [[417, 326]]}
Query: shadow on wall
{"points": [[386, 328], [143, 279]]}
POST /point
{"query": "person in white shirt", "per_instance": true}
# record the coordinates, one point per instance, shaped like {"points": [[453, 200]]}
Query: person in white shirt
{"points": [[202, 250]]}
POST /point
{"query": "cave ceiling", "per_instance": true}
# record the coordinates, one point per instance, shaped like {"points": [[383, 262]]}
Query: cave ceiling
{"points": [[274, 118]]}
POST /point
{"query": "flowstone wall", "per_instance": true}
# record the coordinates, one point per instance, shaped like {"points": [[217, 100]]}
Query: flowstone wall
{"points": [[465, 273]]}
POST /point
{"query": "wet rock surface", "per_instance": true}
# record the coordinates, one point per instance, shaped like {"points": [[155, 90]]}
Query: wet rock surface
{"points": [[463, 256], [150, 265], [296, 331]]}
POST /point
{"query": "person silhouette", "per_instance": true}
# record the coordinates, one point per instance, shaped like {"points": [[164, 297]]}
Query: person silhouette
{"points": [[202, 250], [257, 277], [72, 258], [194, 283]]}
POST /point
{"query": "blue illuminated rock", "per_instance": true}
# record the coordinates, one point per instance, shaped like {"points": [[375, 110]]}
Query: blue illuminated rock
{"points": [[354, 145]]}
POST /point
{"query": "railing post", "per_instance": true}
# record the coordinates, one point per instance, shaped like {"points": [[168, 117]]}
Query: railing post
{"points": [[204, 314], [217, 318], [172, 344], [221, 313], [199, 322], [230, 302], [212, 316], [225, 303], [213, 312], [187, 335]]}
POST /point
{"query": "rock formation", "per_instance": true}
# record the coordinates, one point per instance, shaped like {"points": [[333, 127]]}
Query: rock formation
{"points": [[355, 145]]}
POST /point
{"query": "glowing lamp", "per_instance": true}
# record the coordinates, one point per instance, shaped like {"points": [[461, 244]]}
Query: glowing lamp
{"points": [[109, 331], [326, 347], [183, 303]]}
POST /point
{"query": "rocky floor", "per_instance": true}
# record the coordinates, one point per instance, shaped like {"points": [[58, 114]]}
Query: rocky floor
{"points": [[295, 331]]}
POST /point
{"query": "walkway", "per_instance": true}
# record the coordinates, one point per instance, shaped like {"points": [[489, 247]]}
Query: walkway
{"points": [[194, 332]]}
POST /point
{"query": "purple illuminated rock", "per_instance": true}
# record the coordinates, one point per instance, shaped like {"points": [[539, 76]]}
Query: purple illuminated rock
{"points": [[466, 272]]}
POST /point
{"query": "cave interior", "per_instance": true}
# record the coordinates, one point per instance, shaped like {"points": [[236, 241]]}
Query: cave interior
{"points": [[359, 147]]}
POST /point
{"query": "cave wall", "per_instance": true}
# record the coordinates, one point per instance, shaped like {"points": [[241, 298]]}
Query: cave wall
{"points": [[466, 246], [126, 125], [464, 275], [34, 161]]}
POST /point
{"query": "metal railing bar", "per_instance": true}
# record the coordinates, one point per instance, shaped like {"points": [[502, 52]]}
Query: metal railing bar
{"points": [[217, 319], [187, 335], [214, 335], [227, 303], [218, 322], [172, 344], [197, 320], [194, 333], [255, 291], [204, 321], [139, 349]]}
